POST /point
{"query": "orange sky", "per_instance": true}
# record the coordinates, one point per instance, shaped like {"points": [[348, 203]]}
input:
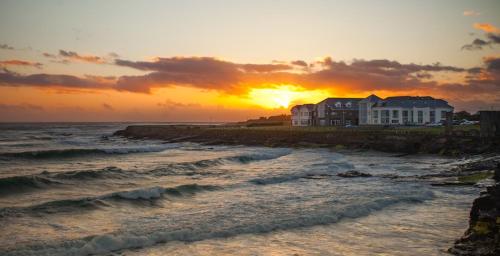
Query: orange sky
{"points": [[223, 66]]}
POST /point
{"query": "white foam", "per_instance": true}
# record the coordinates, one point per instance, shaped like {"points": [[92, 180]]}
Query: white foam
{"points": [[146, 193]]}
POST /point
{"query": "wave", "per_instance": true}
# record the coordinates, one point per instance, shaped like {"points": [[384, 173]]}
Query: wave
{"points": [[158, 192], [78, 152], [215, 227], [108, 172], [18, 184], [45, 180], [196, 167], [92, 203]]}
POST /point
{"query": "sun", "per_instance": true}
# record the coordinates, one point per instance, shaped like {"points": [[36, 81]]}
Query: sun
{"points": [[281, 96]]}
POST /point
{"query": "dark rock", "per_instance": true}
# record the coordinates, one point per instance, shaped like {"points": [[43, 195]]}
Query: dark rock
{"points": [[353, 174], [483, 235], [496, 175]]}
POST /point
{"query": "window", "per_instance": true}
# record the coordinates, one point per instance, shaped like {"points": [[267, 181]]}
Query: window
{"points": [[335, 122], [348, 104], [338, 104], [394, 121], [420, 117], [395, 114], [443, 114], [295, 122], [405, 116], [375, 114], [384, 116], [432, 115]]}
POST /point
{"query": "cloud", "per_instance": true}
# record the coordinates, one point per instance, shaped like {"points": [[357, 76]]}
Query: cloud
{"points": [[492, 35], [49, 55], [477, 44], [6, 47], [107, 106], [21, 63], [486, 27], [471, 13], [173, 105], [23, 106], [8, 78], [299, 63], [85, 58], [357, 77]]}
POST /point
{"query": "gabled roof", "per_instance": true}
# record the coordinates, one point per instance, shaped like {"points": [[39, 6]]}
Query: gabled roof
{"points": [[331, 102], [372, 98], [309, 107], [413, 101]]}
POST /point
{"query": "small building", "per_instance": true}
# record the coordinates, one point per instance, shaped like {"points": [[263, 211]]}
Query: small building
{"points": [[403, 110], [336, 112], [490, 124], [302, 115]]}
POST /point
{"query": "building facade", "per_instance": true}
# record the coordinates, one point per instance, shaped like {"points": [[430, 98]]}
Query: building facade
{"points": [[302, 115], [372, 110], [336, 112], [403, 110]]}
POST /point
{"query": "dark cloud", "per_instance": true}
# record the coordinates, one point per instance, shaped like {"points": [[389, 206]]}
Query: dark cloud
{"points": [[477, 44], [86, 58], [21, 63], [299, 63], [107, 106], [48, 55], [492, 37], [492, 63], [48, 80], [6, 47], [233, 78], [23, 106], [263, 68]]}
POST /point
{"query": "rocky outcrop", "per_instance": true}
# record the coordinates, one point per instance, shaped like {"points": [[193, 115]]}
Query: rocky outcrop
{"points": [[387, 140], [483, 235]]}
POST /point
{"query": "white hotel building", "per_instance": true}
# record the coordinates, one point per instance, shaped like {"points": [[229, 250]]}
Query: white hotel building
{"points": [[402, 110]]}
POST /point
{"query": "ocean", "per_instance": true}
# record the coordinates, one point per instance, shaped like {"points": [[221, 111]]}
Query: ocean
{"points": [[74, 189]]}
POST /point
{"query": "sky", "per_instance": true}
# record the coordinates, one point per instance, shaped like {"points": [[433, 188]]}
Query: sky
{"points": [[218, 61]]}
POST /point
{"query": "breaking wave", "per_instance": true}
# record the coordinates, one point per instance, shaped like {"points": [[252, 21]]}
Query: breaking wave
{"points": [[91, 203], [78, 152], [112, 242], [193, 168]]}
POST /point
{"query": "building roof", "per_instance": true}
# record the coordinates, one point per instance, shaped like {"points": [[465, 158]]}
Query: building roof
{"points": [[332, 103], [309, 107], [413, 101], [372, 98]]}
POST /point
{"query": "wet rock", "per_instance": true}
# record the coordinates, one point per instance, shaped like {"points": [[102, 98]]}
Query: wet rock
{"points": [[353, 174], [483, 235]]}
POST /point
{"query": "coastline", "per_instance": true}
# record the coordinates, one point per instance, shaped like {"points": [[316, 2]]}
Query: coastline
{"points": [[405, 141], [482, 236]]}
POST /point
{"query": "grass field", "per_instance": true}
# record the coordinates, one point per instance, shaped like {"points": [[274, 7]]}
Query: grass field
{"points": [[378, 129]]}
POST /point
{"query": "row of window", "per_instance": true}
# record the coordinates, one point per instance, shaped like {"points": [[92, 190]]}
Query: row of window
{"points": [[339, 104], [407, 115]]}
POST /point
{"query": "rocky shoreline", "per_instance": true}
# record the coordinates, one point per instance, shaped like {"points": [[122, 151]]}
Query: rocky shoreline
{"points": [[385, 140], [482, 238]]}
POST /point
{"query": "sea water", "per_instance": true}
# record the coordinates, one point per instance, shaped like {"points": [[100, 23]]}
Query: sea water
{"points": [[74, 189]]}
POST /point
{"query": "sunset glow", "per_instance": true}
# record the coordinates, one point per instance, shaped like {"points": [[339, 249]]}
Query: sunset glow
{"points": [[190, 65], [281, 96]]}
